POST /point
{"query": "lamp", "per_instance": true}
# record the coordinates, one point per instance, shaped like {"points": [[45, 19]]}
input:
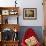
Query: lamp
{"points": [[15, 3]]}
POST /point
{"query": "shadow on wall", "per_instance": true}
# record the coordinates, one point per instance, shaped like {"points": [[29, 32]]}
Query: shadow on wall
{"points": [[37, 29]]}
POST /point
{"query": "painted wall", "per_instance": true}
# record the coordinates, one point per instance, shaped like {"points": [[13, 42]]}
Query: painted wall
{"points": [[26, 4], [31, 4], [37, 29]]}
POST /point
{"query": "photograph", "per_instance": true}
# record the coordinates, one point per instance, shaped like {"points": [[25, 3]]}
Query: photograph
{"points": [[30, 13]]}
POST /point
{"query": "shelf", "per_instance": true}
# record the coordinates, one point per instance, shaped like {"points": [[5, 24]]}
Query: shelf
{"points": [[9, 10], [10, 41], [11, 26], [5, 13]]}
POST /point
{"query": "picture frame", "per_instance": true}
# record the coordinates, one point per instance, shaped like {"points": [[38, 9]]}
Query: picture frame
{"points": [[13, 12], [5, 12], [30, 13]]}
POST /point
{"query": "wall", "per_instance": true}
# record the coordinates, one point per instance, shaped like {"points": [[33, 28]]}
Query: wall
{"points": [[37, 29], [37, 24], [26, 4], [31, 4]]}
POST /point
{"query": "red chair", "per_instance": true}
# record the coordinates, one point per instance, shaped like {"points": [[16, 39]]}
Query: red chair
{"points": [[29, 33]]}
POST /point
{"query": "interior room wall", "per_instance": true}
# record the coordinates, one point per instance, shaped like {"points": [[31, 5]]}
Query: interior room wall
{"points": [[31, 4], [39, 22], [26, 4], [37, 29]]}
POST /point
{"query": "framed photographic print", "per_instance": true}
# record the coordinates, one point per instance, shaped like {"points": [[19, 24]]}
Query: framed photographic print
{"points": [[30, 13], [13, 12], [5, 12]]}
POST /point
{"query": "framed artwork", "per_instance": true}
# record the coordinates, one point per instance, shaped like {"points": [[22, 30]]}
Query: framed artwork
{"points": [[13, 12], [5, 12], [30, 13]]}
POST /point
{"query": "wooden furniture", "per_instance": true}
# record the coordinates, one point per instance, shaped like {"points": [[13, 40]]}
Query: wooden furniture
{"points": [[0, 43], [10, 43], [11, 26], [5, 12], [44, 8], [44, 37]]}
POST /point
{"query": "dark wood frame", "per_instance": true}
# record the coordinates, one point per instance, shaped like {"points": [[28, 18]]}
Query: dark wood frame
{"points": [[25, 12], [6, 12]]}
